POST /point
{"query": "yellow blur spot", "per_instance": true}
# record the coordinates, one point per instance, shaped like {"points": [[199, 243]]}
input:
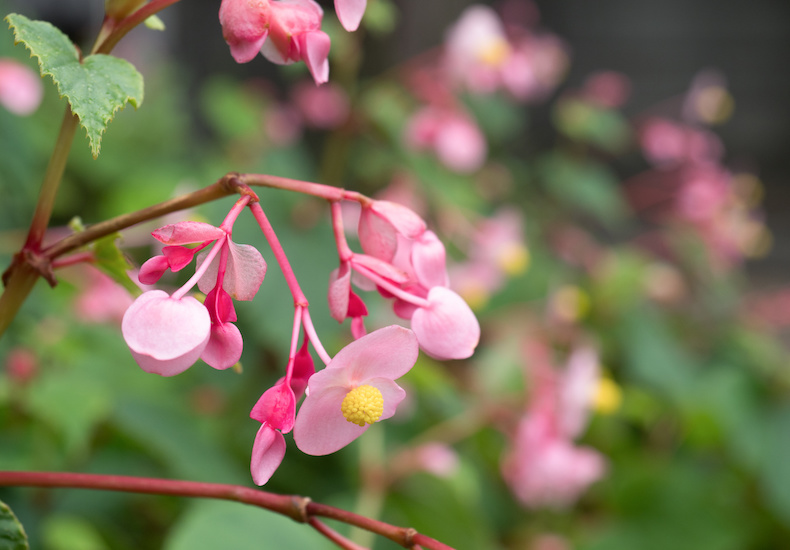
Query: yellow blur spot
{"points": [[607, 397], [570, 303], [363, 405], [475, 295], [495, 53], [514, 259], [714, 104]]}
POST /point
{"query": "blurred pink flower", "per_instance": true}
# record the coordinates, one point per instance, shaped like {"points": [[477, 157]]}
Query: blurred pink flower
{"points": [[324, 107], [609, 89], [21, 90], [21, 365], [355, 390], [454, 137], [101, 299], [666, 143]]}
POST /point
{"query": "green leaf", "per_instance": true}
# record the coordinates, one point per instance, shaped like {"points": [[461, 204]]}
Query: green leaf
{"points": [[111, 261], [12, 534], [95, 88]]}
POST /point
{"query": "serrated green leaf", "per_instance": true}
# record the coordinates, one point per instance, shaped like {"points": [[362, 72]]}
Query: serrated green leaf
{"points": [[112, 262], [95, 88], [12, 534]]}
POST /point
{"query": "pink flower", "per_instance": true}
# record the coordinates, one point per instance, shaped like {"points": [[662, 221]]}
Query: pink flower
{"points": [[350, 13], [275, 410], [453, 136], [325, 107], [166, 335], [355, 390], [292, 27], [21, 90]]}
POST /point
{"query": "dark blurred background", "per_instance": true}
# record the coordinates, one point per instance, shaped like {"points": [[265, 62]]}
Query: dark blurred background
{"points": [[661, 46]]}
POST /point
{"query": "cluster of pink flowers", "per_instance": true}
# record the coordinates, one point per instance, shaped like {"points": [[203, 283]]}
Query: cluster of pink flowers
{"points": [[403, 260], [481, 55], [284, 31], [544, 467]]}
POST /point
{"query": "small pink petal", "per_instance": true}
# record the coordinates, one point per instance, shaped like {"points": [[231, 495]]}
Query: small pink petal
{"points": [[379, 267], [356, 307], [165, 335], [267, 454], [244, 272], [339, 292], [276, 407], [153, 269], [187, 232], [447, 328], [320, 427], [350, 13], [314, 49], [304, 368], [220, 306], [224, 347], [358, 329], [178, 257], [388, 352]]}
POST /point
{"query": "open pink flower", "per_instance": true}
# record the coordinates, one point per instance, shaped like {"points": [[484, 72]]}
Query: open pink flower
{"points": [[355, 390]]}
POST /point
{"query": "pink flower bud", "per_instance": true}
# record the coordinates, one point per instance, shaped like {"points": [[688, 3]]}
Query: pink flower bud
{"points": [[447, 328], [267, 454], [276, 407]]}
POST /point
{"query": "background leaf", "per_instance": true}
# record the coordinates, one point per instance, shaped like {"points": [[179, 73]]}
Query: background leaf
{"points": [[12, 534]]}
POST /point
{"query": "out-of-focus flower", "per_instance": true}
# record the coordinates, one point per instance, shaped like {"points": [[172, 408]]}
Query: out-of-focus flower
{"points": [[101, 299], [21, 90], [608, 89], [324, 107], [21, 366], [666, 143], [355, 390], [453, 136]]}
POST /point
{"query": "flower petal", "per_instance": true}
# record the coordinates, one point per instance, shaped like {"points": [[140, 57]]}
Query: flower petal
{"points": [[224, 346], [187, 232], [339, 292], [267, 454], [276, 407], [244, 273], [166, 335], [388, 352], [320, 427], [314, 49], [350, 13], [392, 393], [447, 328]]}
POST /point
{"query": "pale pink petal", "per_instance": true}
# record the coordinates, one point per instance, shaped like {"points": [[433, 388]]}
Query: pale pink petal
{"points": [[314, 49], [153, 269], [165, 335], [320, 426], [244, 273], [339, 292], [392, 394], [403, 219], [461, 146], [388, 352], [376, 235], [276, 407], [447, 328], [244, 26], [267, 454], [224, 347], [380, 268], [187, 232], [21, 90], [178, 257], [428, 258], [358, 329], [576, 390], [350, 13]]}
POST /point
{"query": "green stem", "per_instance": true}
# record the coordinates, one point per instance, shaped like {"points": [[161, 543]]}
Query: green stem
{"points": [[52, 178]]}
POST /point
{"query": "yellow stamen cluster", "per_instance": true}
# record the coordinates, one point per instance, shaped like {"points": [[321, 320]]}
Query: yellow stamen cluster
{"points": [[363, 405]]}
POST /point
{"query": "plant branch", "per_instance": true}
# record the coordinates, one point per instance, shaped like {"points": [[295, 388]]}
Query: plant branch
{"points": [[298, 508], [121, 28]]}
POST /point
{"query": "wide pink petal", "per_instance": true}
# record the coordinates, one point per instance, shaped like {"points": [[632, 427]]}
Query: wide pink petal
{"points": [[376, 235], [165, 335], [350, 13], [244, 272], [267, 454], [320, 427], [428, 259], [314, 49], [388, 352], [403, 219], [446, 328], [276, 407], [392, 394], [187, 232], [224, 347]]}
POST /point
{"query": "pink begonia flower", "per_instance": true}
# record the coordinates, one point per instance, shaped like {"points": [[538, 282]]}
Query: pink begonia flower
{"points": [[275, 410], [225, 344], [283, 31], [101, 299], [324, 107], [666, 143], [447, 328], [350, 13], [438, 459], [166, 335], [379, 226], [21, 90], [355, 390]]}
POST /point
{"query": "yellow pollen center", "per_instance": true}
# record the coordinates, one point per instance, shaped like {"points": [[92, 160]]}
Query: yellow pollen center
{"points": [[363, 405]]}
